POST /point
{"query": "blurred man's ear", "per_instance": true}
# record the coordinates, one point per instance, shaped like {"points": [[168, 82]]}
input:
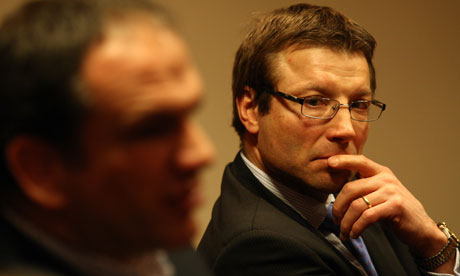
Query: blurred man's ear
{"points": [[248, 110], [38, 170]]}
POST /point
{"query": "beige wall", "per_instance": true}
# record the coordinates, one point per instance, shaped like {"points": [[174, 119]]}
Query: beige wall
{"points": [[418, 72]]}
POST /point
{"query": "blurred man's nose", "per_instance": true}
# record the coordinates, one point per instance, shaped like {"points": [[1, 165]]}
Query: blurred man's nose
{"points": [[197, 151]]}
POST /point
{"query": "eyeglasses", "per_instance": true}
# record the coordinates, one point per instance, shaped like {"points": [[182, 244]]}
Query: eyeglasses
{"points": [[318, 107]]}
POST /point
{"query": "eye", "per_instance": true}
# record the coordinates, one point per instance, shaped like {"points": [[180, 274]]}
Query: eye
{"points": [[360, 105], [315, 101], [155, 127]]}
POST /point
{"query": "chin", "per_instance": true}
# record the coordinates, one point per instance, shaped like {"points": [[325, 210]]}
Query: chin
{"points": [[179, 236], [340, 177], [331, 183]]}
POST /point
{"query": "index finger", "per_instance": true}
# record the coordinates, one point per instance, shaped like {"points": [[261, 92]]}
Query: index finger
{"points": [[359, 163]]}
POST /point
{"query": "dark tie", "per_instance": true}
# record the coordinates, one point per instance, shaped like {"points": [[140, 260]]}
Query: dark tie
{"points": [[356, 246]]}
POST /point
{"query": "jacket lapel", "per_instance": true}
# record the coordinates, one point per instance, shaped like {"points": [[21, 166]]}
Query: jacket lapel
{"points": [[388, 254], [245, 177]]}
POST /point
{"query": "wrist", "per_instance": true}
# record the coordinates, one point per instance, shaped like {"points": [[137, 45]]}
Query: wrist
{"points": [[438, 255]]}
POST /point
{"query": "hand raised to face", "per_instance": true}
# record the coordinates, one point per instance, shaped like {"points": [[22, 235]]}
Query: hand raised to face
{"points": [[389, 201]]}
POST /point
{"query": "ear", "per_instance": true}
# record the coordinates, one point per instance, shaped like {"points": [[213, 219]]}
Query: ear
{"points": [[38, 170], [248, 110]]}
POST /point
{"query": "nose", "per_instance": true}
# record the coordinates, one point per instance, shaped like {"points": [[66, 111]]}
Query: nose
{"points": [[196, 150], [341, 128]]}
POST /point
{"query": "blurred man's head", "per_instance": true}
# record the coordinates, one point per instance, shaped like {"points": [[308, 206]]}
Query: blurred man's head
{"points": [[96, 132]]}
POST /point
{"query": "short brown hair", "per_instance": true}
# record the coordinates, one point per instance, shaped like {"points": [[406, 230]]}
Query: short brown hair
{"points": [[303, 24]]}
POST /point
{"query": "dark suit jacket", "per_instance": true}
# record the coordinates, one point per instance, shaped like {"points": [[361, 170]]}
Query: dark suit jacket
{"points": [[252, 233], [21, 256]]}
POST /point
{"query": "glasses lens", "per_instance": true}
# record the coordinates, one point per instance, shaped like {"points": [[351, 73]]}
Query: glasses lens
{"points": [[365, 111], [319, 107]]}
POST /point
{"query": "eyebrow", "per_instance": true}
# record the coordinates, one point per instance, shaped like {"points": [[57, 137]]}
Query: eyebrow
{"points": [[165, 113], [328, 92]]}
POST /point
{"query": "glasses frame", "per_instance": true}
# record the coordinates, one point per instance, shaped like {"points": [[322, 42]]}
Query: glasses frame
{"points": [[377, 103]]}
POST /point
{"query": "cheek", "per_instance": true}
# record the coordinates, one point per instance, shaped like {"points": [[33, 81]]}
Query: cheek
{"points": [[362, 132], [279, 129], [139, 166], [133, 185], [305, 136], [145, 166]]}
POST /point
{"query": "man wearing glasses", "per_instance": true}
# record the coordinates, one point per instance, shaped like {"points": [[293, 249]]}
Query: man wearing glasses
{"points": [[300, 198]]}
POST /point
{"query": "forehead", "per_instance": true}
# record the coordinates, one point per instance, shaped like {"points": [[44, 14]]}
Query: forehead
{"points": [[136, 68], [322, 67]]}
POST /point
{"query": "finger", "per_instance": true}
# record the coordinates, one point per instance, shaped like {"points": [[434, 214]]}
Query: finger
{"points": [[351, 191], [369, 217], [359, 163], [352, 214], [356, 209]]}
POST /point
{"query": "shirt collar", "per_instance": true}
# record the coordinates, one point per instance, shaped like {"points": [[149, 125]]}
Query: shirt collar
{"points": [[309, 208]]}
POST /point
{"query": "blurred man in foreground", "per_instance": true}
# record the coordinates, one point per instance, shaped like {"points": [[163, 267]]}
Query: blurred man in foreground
{"points": [[100, 158], [300, 198]]}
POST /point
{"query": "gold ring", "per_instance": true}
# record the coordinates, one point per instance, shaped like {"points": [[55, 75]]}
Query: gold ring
{"points": [[369, 205]]}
